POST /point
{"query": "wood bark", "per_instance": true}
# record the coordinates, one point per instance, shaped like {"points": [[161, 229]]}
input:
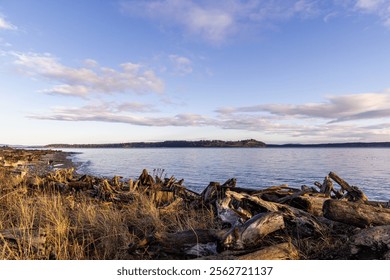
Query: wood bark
{"points": [[354, 193], [310, 204], [189, 242], [373, 241], [357, 214], [282, 251], [306, 224], [270, 206], [253, 231]]}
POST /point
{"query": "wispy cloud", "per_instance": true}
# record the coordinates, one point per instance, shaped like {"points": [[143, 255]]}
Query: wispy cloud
{"points": [[4, 24], [215, 21], [82, 81], [380, 8], [335, 109], [122, 113], [340, 118], [182, 65]]}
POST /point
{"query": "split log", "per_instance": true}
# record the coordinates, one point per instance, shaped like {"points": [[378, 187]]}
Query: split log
{"points": [[310, 204], [354, 193], [251, 233], [270, 206], [282, 251], [357, 214], [304, 224]]}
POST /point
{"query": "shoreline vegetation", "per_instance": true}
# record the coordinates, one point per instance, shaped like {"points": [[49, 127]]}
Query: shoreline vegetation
{"points": [[249, 143], [49, 211]]}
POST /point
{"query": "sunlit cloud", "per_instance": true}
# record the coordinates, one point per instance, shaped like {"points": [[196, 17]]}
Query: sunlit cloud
{"points": [[380, 8], [219, 20], [122, 113], [4, 24], [340, 118], [215, 21], [335, 109], [182, 65], [83, 81]]}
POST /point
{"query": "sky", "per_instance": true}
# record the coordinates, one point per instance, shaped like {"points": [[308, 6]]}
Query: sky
{"points": [[279, 71]]}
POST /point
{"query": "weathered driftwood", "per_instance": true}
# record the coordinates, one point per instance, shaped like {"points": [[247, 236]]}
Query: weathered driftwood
{"points": [[146, 179], [211, 193], [382, 204], [294, 195], [353, 193], [305, 223], [282, 251], [358, 214], [225, 212], [327, 186], [196, 242], [375, 240], [270, 206], [251, 233], [310, 204]]}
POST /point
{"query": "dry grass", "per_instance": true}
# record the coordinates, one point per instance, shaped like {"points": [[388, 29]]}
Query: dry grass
{"points": [[47, 224]]}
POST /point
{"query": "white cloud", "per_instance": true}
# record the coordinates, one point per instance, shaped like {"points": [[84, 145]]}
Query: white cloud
{"points": [[122, 113], [6, 25], [68, 90], [335, 109], [182, 65], [216, 21], [293, 129], [219, 20], [90, 79], [135, 107], [91, 63], [369, 5], [380, 8]]}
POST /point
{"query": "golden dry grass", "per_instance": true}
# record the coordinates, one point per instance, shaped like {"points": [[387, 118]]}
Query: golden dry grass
{"points": [[47, 224]]}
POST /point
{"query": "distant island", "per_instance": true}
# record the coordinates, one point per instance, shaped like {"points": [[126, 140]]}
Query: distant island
{"points": [[334, 145], [250, 143]]}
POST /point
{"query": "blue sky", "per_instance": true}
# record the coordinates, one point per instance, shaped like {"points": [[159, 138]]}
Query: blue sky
{"points": [[280, 71]]}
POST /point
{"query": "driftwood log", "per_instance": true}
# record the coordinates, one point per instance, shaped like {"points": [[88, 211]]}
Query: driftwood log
{"points": [[372, 241], [251, 233], [353, 193], [310, 204], [357, 214], [190, 242], [282, 251]]}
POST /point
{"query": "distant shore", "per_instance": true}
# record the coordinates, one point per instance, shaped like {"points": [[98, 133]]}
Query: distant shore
{"points": [[250, 143]]}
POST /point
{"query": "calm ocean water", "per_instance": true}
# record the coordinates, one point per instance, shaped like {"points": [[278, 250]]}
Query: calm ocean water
{"points": [[367, 168]]}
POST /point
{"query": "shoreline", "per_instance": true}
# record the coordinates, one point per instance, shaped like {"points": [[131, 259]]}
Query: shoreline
{"points": [[151, 217]]}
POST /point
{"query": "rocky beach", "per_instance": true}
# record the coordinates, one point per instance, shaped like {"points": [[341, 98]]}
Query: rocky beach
{"points": [[49, 211]]}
